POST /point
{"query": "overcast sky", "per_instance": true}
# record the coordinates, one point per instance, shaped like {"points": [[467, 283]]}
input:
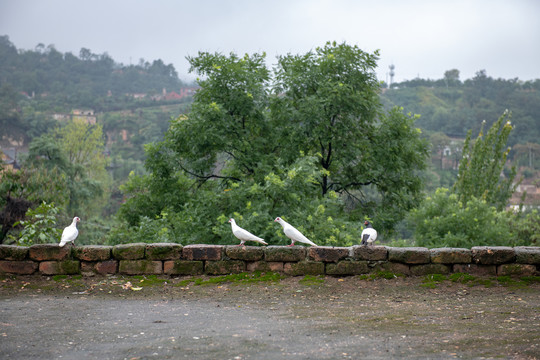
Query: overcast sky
{"points": [[422, 38]]}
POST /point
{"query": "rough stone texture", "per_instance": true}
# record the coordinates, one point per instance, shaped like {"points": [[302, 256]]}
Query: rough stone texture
{"points": [[224, 267], [493, 255], [66, 267], [173, 259], [373, 253], [347, 268], [451, 256], [264, 266], [527, 255], [48, 252], [88, 268], [285, 254], [395, 268], [516, 270], [409, 255], [183, 267], [18, 267], [129, 251], [140, 267], [92, 252], [327, 253], [107, 267], [304, 268], [100, 267], [202, 252], [425, 269], [13, 252], [164, 251], [474, 269], [246, 253]]}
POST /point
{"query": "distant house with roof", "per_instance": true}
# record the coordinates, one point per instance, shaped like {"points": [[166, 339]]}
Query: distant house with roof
{"points": [[9, 159]]}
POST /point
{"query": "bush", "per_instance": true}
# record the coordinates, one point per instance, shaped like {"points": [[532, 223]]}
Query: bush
{"points": [[41, 226], [444, 221]]}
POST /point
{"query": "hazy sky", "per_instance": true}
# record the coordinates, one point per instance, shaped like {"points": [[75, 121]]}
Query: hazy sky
{"points": [[422, 38]]}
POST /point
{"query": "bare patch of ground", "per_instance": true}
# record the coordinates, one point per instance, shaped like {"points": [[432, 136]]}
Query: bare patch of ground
{"points": [[268, 317]]}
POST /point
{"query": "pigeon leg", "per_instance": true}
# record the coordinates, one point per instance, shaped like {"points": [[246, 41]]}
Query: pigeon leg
{"points": [[292, 244]]}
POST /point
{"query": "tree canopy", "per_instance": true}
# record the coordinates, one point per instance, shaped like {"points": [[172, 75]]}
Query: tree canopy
{"points": [[308, 140]]}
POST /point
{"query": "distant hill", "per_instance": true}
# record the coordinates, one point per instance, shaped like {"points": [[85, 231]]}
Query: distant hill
{"points": [[79, 79], [454, 107]]}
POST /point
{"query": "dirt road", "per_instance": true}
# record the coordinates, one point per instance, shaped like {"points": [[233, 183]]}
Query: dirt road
{"points": [[300, 318]]}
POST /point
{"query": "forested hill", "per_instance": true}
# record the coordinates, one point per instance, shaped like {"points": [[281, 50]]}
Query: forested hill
{"points": [[79, 80], [453, 107]]}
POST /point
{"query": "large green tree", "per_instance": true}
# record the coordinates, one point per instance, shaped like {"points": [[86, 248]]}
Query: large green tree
{"points": [[76, 151], [252, 131], [481, 167]]}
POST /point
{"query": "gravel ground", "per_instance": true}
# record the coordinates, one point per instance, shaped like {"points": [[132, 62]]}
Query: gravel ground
{"points": [[274, 318]]}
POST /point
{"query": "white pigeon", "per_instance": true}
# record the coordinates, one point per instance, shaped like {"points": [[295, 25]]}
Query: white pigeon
{"points": [[293, 234], [369, 234], [70, 233], [244, 235]]}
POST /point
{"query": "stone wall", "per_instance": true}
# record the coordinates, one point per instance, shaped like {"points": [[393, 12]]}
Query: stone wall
{"points": [[175, 259]]}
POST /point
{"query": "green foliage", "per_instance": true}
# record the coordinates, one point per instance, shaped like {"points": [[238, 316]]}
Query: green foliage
{"points": [[526, 225], [444, 221], [159, 229], [84, 80], [308, 149], [40, 228], [453, 107], [75, 152], [482, 164]]}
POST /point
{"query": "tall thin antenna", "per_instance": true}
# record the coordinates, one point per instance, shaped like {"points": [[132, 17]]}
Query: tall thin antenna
{"points": [[392, 73]]}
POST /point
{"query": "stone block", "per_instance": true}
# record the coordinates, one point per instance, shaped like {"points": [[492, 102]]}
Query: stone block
{"points": [[133, 251], [92, 252], [517, 270], [474, 269], [202, 252], [327, 253], [369, 252], [100, 267], [183, 267], [66, 267], [18, 267], [140, 267], [107, 267], [285, 253], [347, 268], [49, 252], [409, 255], [246, 253], [451, 256], [164, 251], [13, 252], [264, 266], [426, 269], [87, 268], [391, 267], [493, 255], [527, 255], [224, 267], [303, 268]]}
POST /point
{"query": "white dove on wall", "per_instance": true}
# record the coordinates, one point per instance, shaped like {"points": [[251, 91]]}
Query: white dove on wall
{"points": [[292, 233], [70, 233], [369, 234], [244, 235]]}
